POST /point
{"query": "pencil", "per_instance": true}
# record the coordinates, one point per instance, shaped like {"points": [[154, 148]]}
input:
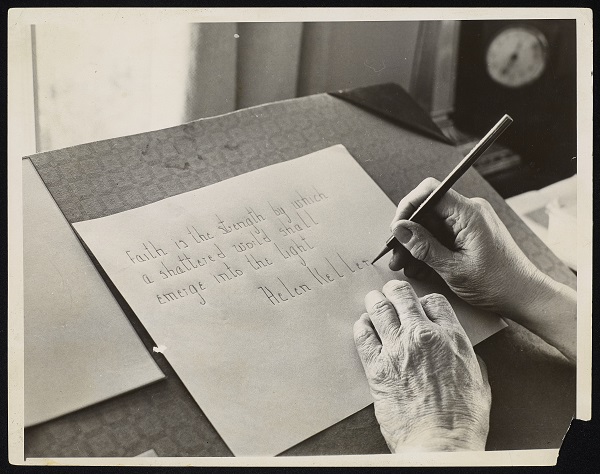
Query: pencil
{"points": [[454, 175]]}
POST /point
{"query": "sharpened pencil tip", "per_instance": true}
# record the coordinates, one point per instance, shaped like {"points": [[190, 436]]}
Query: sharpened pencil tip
{"points": [[381, 254]]}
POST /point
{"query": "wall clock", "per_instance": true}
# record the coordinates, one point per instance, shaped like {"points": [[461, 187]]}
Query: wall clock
{"points": [[526, 68], [517, 56]]}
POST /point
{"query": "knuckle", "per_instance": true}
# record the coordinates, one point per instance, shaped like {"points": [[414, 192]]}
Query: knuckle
{"points": [[426, 335], [361, 336], [481, 204], [462, 342], [434, 299], [421, 249], [381, 308], [393, 334], [378, 372], [436, 302]]}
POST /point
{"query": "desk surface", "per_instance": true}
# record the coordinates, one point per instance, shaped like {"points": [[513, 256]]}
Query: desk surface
{"points": [[533, 388]]}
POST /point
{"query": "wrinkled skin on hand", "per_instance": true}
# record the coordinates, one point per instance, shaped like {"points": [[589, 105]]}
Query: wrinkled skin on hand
{"points": [[465, 242], [467, 245], [431, 392]]}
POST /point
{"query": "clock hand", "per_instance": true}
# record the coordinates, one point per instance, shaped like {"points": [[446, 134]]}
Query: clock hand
{"points": [[513, 58]]}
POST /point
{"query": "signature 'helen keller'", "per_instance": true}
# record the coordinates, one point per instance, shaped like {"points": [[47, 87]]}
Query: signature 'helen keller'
{"points": [[431, 391]]}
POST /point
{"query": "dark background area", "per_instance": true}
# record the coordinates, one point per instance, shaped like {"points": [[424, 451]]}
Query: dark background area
{"points": [[544, 131]]}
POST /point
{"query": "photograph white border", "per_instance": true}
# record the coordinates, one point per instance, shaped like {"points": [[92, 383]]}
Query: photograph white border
{"points": [[21, 142]]}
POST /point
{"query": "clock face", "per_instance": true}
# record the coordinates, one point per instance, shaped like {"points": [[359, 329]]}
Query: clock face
{"points": [[517, 56]]}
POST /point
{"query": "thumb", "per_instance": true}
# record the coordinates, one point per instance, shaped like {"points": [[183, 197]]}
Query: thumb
{"points": [[422, 245]]}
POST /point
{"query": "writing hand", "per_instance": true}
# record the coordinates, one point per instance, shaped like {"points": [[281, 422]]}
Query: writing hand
{"points": [[466, 243], [430, 392]]}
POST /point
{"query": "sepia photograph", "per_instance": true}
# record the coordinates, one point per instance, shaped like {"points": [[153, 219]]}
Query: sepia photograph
{"points": [[294, 237]]}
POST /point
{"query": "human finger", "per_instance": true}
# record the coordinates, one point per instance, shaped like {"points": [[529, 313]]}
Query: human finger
{"points": [[416, 269], [383, 316], [400, 258], [413, 268], [405, 301], [438, 309], [424, 246], [411, 202], [367, 343]]}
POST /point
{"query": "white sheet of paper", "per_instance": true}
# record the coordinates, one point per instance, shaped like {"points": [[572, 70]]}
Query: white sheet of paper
{"points": [[252, 286], [79, 347]]}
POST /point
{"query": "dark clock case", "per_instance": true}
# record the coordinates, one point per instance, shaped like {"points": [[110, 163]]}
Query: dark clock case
{"points": [[544, 131]]}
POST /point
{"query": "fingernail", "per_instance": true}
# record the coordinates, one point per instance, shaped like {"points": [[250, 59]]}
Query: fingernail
{"points": [[402, 234]]}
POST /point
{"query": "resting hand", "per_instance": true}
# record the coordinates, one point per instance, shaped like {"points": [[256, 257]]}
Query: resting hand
{"points": [[430, 392]]}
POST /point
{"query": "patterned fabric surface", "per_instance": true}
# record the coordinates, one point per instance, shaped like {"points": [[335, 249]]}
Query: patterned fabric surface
{"points": [[533, 387]]}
